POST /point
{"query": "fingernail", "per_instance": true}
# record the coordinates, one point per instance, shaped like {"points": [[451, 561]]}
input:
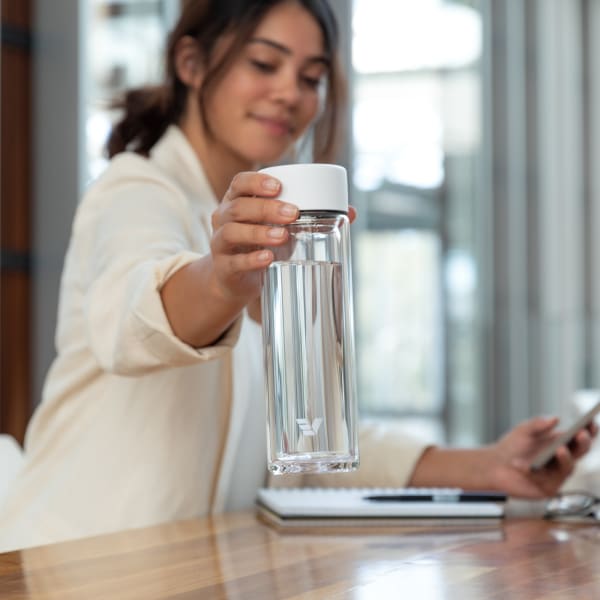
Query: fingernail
{"points": [[270, 184], [264, 256], [276, 232], [288, 210]]}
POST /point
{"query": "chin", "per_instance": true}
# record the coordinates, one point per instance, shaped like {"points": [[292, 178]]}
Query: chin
{"points": [[268, 156]]}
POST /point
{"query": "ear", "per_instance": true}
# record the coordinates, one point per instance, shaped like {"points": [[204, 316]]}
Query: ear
{"points": [[189, 65]]}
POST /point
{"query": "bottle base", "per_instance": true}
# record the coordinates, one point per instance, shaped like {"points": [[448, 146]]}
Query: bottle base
{"points": [[314, 465]]}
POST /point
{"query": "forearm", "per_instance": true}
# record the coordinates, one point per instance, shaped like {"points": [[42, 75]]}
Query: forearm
{"points": [[196, 307], [447, 467]]}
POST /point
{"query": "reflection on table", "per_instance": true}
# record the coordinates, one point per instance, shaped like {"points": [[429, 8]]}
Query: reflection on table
{"points": [[235, 556]]}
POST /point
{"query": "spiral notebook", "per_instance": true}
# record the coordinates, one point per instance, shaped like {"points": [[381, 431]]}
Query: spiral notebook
{"points": [[294, 507]]}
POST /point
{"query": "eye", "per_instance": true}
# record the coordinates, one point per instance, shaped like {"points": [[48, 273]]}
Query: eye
{"points": [[311, 82], [263, 67]]}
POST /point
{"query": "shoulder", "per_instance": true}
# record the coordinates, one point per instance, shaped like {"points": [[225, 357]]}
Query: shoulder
{"points": [[129, 168], [132, 187], [133, 178]]}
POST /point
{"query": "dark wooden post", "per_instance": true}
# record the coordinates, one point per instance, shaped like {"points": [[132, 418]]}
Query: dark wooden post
{"points": [[15, 222]]}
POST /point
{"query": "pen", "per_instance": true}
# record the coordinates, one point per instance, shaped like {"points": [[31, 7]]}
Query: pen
{"points": [[442, 497]]}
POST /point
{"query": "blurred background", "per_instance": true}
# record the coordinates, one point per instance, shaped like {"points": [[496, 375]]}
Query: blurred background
{"points": [[473, 137]]}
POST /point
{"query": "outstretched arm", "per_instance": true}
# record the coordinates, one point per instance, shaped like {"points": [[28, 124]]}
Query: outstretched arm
{"points": [[202, 299]]}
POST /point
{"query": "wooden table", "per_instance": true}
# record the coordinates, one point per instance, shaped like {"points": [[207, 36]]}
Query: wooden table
{"points": [[236, 557]]}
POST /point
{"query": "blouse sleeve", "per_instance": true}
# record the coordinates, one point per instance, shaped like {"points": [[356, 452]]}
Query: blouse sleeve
{"points": [[132, 234], [388, 456]]}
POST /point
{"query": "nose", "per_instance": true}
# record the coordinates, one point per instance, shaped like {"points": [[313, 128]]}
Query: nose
{"points": [[287, 88]]}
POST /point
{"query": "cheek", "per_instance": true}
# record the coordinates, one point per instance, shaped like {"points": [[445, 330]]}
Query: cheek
{"points": [[243, 87], [233, 93], [226, 107], [310, 110]]}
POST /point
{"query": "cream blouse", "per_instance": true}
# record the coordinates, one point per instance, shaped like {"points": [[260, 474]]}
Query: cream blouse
{"points": [[136, 427]]}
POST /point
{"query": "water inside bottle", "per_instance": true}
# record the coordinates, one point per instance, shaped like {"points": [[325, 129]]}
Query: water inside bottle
{"points": [[303, 318]]}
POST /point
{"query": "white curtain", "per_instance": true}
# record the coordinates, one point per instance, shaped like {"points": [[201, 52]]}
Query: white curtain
{"points": [[539, 294]]}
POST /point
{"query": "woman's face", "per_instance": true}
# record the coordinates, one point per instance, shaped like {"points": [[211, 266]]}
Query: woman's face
{"points": [[270, 94]]}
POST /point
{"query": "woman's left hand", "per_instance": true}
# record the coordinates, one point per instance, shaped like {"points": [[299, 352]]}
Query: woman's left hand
{"points": [[512, 455]]}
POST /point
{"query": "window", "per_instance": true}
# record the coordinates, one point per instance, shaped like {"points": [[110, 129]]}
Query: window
{"points": [[124, 49], [416, 129]]}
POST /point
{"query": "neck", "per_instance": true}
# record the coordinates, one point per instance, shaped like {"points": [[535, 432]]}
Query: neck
{"points": [[218, 162]]}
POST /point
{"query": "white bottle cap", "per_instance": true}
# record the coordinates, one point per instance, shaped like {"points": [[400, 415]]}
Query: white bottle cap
{"points": [[312, 186]]}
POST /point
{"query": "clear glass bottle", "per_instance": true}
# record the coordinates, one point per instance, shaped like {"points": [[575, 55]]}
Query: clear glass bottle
{"points": [[308, 332]]}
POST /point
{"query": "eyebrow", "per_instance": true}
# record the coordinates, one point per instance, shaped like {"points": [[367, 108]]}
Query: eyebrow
{"points": [[285, 50]]}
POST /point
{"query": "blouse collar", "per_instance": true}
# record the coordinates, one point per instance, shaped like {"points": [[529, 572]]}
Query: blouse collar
{"points": [[174, 154]]}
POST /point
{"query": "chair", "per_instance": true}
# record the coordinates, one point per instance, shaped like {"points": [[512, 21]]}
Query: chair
{"points": [[11, 459]]}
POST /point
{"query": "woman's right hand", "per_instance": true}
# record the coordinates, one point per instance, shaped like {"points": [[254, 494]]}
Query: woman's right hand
{"points": [[203, 298], [247, 222]]}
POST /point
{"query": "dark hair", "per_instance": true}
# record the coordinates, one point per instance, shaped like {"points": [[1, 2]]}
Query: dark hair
{"points": [[150, 110]]}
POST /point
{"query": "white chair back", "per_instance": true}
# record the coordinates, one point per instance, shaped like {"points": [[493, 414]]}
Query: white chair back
{"points": [[11, 459]]}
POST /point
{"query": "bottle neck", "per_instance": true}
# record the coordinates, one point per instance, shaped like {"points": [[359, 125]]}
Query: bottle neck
{"points": [[324, 213], [311, 215]]}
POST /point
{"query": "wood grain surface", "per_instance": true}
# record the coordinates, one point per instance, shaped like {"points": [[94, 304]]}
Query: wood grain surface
{"points": [[237, 557]]}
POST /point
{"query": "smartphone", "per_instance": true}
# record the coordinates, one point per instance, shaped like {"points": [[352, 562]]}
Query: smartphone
{"points": [[547, 454]]}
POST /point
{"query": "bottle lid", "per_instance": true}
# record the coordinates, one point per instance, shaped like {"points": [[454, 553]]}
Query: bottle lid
{"points": [[312, 186]]}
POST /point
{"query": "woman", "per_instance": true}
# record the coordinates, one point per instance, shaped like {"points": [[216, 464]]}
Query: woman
{"points": [[152, 410]]}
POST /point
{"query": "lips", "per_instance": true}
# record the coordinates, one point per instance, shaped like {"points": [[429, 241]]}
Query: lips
{"points": [[274, 125]]}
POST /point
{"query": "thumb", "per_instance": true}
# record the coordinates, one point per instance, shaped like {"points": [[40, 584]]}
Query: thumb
{"points": [[540, 425], [352, 214], [520, 464]]}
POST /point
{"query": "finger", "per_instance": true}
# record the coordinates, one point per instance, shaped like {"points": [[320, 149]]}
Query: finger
{"points": [[250, 183], [592, 428], [233, 235], [233, 265], [564, 461], [581, 443], [247, 209], [541, 425]]}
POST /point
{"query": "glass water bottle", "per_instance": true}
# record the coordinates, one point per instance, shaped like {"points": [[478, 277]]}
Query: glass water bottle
{"points": [[308, 332]]}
